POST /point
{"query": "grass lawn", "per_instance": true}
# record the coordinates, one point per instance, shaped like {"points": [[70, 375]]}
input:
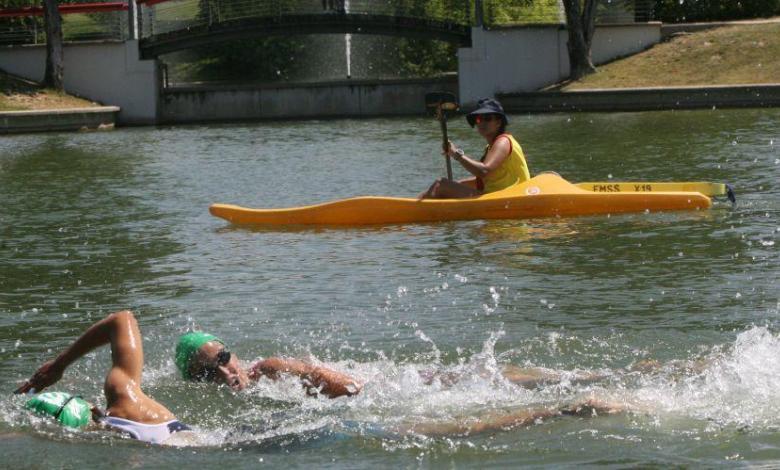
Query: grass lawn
{"points": [[729, 55], [20, 95]]}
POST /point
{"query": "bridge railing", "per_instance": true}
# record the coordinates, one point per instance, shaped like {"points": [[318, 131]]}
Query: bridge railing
{"points": [[161, 16], [519, 12], [158, 18], [23, 23], [29, 29]]}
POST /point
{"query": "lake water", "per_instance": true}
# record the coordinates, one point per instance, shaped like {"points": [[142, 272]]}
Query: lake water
{"points": [[95, 222]]}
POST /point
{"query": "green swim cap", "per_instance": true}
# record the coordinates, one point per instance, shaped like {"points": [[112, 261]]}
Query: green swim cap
{"points": [[188, 346], [70, 410]]}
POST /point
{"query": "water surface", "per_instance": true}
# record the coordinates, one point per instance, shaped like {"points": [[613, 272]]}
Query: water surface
{"points": [[95, 222]]}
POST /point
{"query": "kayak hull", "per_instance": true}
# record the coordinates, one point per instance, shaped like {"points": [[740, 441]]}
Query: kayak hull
{"points": [[546, 195]]}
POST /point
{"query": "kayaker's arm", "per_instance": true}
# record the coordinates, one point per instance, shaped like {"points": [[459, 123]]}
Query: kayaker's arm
{"points": [[498, 153]]}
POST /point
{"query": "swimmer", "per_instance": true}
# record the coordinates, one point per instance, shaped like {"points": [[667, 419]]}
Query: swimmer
{"points": [[128, 409], [204, 357]]}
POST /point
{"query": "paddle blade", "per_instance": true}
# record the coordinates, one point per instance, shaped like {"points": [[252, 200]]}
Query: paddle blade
{"points": [[730, 194], [441, 99]]}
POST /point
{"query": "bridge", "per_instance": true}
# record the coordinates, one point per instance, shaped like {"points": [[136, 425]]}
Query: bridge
{"points": [[183, 24], [110, 67]]}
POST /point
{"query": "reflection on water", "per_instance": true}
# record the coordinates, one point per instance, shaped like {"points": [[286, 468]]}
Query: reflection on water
{"points": [[75, 238], [96, 222]]}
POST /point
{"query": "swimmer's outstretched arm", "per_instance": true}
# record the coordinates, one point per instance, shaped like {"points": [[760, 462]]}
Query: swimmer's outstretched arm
{"points": [[120, 329], [504, 422], [316, 379]]}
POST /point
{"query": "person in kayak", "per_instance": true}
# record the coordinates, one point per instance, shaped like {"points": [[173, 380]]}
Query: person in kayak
{"points": [[501, 166], [128, 409], [204, 357]]}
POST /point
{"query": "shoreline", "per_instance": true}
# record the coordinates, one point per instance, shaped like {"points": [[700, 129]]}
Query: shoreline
{"points": [[644, 99], [54, 120], [630, 99]]}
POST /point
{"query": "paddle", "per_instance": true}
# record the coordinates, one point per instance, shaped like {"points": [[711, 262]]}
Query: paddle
{"points": [[441, 102], [703, 187]]}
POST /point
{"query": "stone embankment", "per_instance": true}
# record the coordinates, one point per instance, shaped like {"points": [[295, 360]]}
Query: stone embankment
{"points": [[643, 99], [70, 119]]}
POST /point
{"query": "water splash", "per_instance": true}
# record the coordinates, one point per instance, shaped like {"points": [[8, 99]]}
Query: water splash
{"points": [[736, 385]]}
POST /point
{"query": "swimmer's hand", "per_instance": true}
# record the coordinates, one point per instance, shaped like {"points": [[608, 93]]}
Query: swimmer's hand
{"points": [[48, 374]]}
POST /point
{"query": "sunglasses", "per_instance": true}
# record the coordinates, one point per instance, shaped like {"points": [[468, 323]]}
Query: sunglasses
{"points": [[208, 372], [480, 118]]}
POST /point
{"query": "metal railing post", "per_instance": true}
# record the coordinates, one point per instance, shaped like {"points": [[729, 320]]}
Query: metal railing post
{"points": [[479, 14], [132, 20]]}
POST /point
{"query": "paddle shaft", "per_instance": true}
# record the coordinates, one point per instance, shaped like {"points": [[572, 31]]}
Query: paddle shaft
{"points": [[445, 141]]}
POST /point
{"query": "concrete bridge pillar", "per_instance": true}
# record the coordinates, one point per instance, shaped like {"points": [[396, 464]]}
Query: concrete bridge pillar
{"points": [[526, 58]]}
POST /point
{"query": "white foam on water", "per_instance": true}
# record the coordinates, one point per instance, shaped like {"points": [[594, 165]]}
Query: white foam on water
{"points": [[734, 386]]}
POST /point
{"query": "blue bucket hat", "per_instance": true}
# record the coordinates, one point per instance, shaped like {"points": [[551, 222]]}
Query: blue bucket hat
{"points": [[486, 106]]}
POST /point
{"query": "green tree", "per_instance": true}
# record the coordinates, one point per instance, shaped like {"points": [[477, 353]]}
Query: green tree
{"points": [[675, 11]]}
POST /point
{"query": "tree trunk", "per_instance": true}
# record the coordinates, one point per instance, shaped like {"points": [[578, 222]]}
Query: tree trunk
{"points": [[54, 55], [580, 24]]}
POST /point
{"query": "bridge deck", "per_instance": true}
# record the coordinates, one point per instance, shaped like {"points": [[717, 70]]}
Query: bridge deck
{"points": [[198, 35]]}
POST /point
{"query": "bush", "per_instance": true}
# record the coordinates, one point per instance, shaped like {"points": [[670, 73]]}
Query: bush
{"points": [[676, 11]]}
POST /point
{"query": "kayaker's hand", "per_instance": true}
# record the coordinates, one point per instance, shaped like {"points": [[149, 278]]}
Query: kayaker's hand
{"points": [[454, 152], [48, 374]]}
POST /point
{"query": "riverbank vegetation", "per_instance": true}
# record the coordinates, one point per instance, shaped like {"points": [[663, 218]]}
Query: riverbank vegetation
{"points": [[21, 95], [689, 11], [729, 55]]}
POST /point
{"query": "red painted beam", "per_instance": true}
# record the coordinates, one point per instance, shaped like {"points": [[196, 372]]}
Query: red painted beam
{"points": [[66, 9]]}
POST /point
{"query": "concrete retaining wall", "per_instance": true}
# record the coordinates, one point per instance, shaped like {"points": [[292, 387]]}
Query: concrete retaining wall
{"points": [[74, 119], [521, 59], [336, 99], [106, 72], [501, 61], [643, 99]]}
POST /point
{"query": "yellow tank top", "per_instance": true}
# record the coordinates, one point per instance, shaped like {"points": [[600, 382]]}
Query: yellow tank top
{"points": [[514, 170]]}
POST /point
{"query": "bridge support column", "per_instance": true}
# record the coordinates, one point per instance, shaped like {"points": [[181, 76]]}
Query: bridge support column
{"points": [[526, 58]]}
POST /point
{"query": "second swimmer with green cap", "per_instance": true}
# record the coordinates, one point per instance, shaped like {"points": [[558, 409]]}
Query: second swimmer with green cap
{"points": [[128, 409], [202, 356]]}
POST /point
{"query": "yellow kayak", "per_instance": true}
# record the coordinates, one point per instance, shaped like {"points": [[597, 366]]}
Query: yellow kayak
{"points": [[546, 195]]}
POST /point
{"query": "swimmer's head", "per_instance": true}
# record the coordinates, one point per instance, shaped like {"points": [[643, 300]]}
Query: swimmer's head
{"points": [[204, 357], [69, 410]]}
